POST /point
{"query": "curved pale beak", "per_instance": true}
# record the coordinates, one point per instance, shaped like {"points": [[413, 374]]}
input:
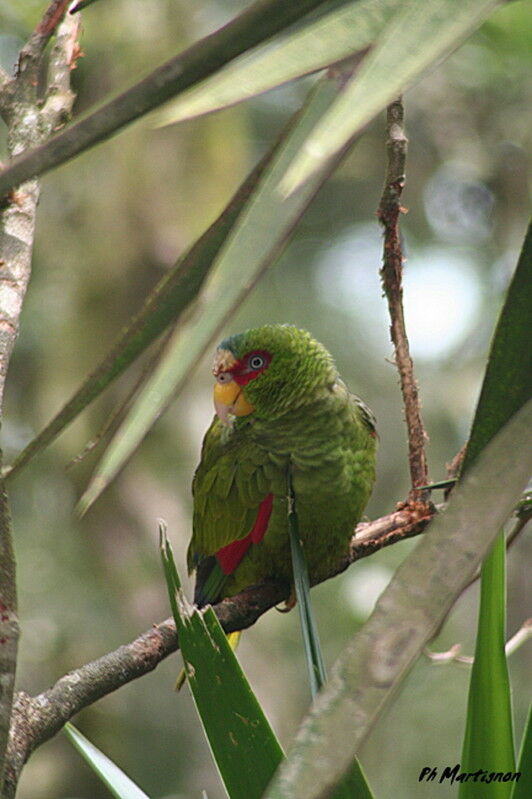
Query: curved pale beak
{"points": [[229, 401]]}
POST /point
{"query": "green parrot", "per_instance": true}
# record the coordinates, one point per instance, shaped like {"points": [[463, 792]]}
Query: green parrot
{"points": [[280, 408]]}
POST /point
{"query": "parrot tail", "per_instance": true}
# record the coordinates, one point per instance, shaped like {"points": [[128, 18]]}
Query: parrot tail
{"points": [[233, 639]]}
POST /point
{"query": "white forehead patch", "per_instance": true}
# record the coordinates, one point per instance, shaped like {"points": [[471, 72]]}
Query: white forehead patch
{"points": [[224, 360]]}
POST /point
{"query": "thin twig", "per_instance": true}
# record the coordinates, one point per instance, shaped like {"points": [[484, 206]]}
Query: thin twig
{"points": [[29, 61], [63, 56], [391, 273], [81, 5], [453, 655], [36, 719]]}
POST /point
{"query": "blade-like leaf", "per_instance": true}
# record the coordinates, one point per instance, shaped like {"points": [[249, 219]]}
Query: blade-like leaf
{"points": [[320, 43], [309, 628], [489, 733], [243, 744], [507, 383], [255, 240], [522, 789], [165, 304], [256, 24], [406, 616], [418, 34], [110, 774], [507, 386], [354, 783], [171, 575]]}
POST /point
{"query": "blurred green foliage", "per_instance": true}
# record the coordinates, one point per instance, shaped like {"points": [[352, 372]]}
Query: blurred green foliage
{"points": [[110, 223]]}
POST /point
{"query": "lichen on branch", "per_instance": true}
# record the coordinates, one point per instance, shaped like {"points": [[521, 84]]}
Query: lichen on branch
{"points": [[30, 118]]}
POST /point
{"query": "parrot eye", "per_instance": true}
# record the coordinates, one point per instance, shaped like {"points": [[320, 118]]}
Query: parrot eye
{"points": [[257, 362], [224, 377]]}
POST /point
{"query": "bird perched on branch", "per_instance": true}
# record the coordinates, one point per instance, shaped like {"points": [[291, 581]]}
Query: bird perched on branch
{"points": [[281, 409]]}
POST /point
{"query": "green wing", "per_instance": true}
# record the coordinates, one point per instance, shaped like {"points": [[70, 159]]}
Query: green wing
{"points": [[232, 479]]}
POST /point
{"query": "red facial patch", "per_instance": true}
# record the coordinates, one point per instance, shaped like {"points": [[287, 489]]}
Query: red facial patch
{"points": [[230, 556], [244, 370]]}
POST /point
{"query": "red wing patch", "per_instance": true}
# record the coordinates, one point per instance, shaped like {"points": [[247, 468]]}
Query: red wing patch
{"points": [[230, 556]]}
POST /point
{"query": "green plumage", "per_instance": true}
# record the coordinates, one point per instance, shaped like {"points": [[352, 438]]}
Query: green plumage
{"points": [[304, 419]]}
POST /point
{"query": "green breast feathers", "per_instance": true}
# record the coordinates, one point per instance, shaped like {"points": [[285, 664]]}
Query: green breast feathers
{"points": [[280, 406]]}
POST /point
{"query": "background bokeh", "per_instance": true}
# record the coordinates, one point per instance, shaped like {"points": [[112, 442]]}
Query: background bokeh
{"points": [[109, 225]]}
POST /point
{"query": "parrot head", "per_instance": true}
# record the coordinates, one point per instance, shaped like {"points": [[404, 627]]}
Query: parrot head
{"points": [[267, 371]]}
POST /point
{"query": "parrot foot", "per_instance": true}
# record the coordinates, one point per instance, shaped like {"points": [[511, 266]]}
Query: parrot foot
{"points": [[290, 603]]}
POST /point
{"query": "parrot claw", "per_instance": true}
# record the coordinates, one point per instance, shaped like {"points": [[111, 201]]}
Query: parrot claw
{"points": [[290, 603]]}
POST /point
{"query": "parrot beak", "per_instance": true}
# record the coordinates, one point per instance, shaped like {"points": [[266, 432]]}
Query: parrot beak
{"points": [[229, 401]]}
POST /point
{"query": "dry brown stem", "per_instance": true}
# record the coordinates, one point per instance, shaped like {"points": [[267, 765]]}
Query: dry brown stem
{"points": [[391, 273]]}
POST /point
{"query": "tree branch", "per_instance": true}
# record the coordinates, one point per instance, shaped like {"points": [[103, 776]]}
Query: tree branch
{"points": [[36, 719], [391, 274], [5, 82], [453, 655], [29, 61], [9, 627], [27, 126]]}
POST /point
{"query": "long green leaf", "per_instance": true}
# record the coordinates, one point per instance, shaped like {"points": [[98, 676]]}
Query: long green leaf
{"points": [[243, 744], [406, 616], [488, 741], [119, 784], [354, 783], [418, 35], [318, 44], [164, 305], [309, 628], [507, 383], [522, 789], [256, 24], [255, 240], [507, 386]]}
